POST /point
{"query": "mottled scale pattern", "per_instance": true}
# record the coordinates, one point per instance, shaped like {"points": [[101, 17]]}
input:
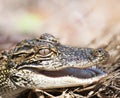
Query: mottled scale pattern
{"points": [[45, 63]]}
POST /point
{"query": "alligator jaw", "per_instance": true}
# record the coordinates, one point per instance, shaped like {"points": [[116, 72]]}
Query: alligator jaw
{"points": [[71, 71], [47, 81]]}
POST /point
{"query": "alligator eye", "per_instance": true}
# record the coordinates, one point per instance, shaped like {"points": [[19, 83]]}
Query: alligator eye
{"points": [[44, 51]]}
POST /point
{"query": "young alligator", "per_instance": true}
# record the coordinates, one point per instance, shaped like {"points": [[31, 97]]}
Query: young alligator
{"points": [[44, 63]]}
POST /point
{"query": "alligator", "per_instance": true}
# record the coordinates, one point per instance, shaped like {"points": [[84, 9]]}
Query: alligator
{"points": [[44, 63]]}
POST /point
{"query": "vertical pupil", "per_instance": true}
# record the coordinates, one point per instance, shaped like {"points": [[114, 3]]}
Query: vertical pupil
{"points": [[44, 51]]}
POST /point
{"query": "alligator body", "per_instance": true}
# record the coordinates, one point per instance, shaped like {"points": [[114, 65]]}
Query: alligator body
{"points": [[44, 63]]}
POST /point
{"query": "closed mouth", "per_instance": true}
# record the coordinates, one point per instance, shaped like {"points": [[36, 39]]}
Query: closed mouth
{"points": [[85, 73], [66, 77]]}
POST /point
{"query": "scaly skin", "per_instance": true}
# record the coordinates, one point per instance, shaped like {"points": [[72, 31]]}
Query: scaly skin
{"points": [[44, 63]]}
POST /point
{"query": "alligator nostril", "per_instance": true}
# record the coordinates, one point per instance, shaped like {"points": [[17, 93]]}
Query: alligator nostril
{"points": [[99, 50]]}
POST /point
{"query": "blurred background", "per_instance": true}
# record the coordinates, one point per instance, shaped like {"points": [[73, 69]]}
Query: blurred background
{"points": [[73, 22]]}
